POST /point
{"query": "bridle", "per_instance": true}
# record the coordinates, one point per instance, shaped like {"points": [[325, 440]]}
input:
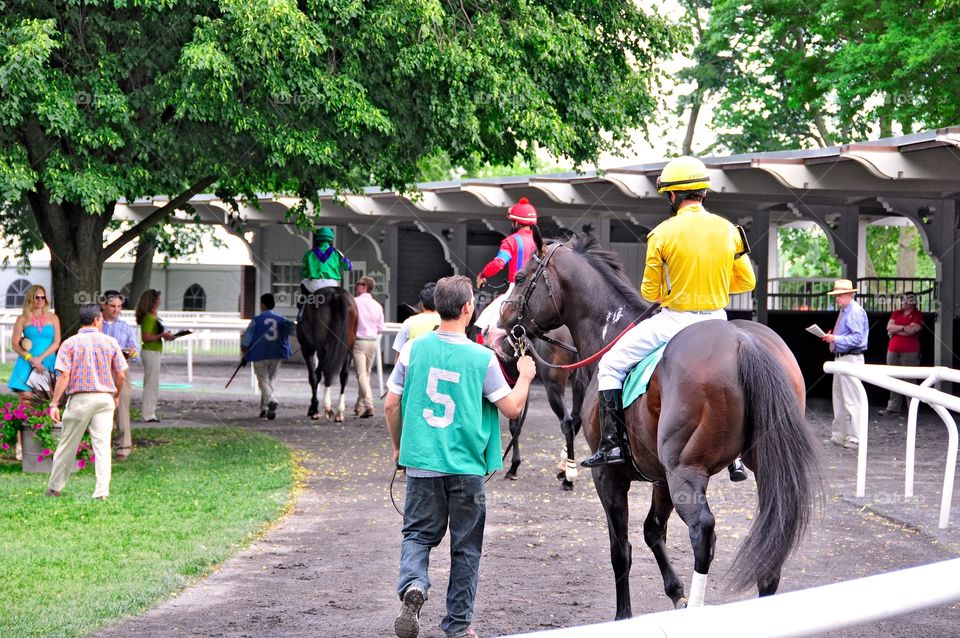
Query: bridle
{"points": [[518, 333], [515, 334]]}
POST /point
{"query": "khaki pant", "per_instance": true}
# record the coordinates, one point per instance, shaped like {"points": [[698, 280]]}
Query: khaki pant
{"points": [[364, 356], [85, 411], [266, 372], [151, 383], [121, 418], [895, 404], [846, 403]]}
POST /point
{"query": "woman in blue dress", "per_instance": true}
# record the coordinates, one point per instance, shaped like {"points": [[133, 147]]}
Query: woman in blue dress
{"points": [[36, 337]]}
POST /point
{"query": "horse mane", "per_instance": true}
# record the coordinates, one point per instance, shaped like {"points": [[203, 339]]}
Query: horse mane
{"points": [[608, 264]]}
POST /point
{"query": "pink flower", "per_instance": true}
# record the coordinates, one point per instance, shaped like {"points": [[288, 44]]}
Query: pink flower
{"points": [[46, 452], [81, 463], [4, 446], [40, 459], [9, 405], [7, 416], [20, 414]]}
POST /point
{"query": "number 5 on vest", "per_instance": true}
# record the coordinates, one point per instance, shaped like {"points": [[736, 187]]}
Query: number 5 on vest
{"points": [[449, 407]]}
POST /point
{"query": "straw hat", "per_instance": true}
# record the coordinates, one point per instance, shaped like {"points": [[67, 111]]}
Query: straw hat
{"points": [[842, 286]]}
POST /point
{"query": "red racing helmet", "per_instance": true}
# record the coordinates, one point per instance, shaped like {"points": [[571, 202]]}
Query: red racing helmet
{"points": [[523, 213]]}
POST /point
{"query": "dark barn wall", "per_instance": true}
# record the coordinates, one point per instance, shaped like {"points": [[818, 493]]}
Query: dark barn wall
{"points": [[811, 353]]}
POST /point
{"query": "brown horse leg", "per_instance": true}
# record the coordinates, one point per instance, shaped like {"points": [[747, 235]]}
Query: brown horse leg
{"points": [[688, 488], [612, 486], [655, 534]]}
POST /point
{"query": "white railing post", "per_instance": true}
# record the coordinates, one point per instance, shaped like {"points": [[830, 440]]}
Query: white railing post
{"points": [[863, 426], [3, 343], [189, 358], [910, 457], [380, 362], [890, 377]]}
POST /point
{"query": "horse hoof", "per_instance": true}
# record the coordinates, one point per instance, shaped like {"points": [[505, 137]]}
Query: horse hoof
{"points": [[567, 486], [511, 476], [681, 604], [562, 476], [314, 417], [339, 417]]}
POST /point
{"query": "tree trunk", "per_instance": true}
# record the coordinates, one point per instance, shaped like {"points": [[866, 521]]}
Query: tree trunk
{"points": [[692, 125], [143, 267], [75, 239], [907, 253]]}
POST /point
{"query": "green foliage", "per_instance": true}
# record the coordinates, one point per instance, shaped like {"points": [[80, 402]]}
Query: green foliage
{"points": [[806, 253], [177, 509], [889, 257], [439, 168], [103, 100], [799, 74]]}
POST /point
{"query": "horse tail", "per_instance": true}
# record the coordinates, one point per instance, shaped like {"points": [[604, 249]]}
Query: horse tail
{"points": [[779, 440]]}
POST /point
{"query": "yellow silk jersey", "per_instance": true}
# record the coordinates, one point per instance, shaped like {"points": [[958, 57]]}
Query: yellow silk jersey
{"points": [[690, 262]]}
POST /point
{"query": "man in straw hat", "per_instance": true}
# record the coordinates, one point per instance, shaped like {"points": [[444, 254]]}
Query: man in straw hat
{"points": [[848, 341]]}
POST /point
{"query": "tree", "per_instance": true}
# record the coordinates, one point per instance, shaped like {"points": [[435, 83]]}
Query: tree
{"points": [[107, 100], [817, 74]]}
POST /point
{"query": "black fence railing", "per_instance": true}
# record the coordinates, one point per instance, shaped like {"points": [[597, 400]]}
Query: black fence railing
{"points": [[876, 294]]}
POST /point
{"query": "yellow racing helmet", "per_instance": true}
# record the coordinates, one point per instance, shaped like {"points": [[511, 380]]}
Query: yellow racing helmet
{"points": [[683, 174]]}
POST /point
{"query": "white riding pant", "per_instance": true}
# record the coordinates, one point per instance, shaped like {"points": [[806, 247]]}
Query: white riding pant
{"points": [[490, 316], [313, 285], [643, 339]]}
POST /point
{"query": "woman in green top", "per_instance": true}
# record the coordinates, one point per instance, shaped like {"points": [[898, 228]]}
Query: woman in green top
{"points": [[153, 334]]}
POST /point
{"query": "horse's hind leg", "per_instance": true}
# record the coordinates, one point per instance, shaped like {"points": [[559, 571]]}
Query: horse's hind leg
{"points": [[309, 356], [342, 403], [655, 534], [612, 487], [688, 488]]}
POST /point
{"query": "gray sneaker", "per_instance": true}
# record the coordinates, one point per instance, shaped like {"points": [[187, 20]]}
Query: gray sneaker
{"points": [[407, 624]]}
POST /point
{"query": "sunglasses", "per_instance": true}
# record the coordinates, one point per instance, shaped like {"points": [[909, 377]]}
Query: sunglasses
{"points": [[40, 297]]}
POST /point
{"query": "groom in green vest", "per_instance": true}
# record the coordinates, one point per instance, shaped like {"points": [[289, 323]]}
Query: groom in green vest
{"points": [[441, 412]]}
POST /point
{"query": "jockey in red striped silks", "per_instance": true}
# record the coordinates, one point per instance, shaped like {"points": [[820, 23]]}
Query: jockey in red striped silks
{"points": [[515, 251]]}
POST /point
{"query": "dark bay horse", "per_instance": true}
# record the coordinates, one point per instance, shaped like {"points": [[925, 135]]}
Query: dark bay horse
{"points": [[326, 335], [723, 389], [554, 381]]}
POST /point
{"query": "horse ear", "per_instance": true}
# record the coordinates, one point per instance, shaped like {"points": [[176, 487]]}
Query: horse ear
{"points": [[537, 238]]}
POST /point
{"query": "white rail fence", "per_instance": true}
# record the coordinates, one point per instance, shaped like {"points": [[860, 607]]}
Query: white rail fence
{"points": [[808, 612], [212, 335], [891, 378]]}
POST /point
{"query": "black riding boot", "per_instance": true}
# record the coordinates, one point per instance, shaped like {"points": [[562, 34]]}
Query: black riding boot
{"points": [[611, 428], [737, 471]]}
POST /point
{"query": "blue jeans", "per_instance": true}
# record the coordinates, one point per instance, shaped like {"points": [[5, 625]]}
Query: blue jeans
{"points": [[430, 504]]}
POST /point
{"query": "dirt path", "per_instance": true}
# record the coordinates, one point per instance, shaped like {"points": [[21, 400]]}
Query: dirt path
{"points": [[329, 569]]}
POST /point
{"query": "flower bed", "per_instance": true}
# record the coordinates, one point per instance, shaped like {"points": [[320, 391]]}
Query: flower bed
{"points": [[35, 418]]}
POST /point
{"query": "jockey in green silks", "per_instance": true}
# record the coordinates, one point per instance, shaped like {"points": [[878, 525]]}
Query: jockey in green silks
{"points": [[323, 266]]}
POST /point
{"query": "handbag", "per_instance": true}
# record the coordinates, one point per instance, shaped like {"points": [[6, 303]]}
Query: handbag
{"points": [[40, 381]]}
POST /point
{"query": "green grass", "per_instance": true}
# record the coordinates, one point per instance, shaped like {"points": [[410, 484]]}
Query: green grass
{"points": [[178, 508], [5, 370]]}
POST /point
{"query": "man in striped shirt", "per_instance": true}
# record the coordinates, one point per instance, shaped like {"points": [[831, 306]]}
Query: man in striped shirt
{"points": [[91, 368]]}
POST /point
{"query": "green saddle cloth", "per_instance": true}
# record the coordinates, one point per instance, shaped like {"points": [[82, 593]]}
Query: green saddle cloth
{"points": [[637, 380]]}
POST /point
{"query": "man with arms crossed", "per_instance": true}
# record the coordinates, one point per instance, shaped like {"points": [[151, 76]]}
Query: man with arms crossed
{"points": [[445, 430]]}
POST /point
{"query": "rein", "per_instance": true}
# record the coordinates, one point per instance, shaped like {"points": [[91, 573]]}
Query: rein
{"points": [[518, 332]]}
